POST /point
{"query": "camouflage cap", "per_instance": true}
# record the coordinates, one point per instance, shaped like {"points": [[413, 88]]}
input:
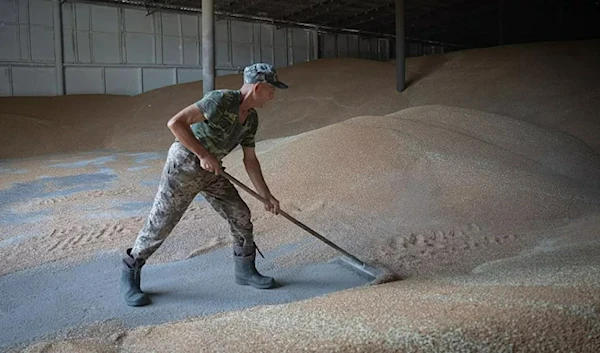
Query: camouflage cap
{"points": [[262, 72]]}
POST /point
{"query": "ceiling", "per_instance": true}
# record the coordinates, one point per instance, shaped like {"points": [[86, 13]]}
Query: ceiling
{"points": [[463, 23]]}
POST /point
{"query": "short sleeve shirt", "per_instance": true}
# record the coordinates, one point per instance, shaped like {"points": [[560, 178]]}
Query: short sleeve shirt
{"points": [[222, 131]]}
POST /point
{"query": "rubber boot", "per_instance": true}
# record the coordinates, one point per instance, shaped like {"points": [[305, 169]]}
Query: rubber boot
{"points": [[245, 270], [130, 281]]}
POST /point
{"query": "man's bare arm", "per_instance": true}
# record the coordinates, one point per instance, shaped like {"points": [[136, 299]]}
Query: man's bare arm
{"points": [[180, 127], [255, 173]]}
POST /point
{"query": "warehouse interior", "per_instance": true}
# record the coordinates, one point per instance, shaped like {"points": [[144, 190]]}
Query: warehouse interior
{"points": [[453, 143]]}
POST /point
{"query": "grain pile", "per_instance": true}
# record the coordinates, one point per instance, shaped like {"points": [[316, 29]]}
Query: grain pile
{"points": [[325, 92]]}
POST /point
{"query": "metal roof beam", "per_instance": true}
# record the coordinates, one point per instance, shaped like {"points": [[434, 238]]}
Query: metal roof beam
{"points": [[461, 30], [310, 10], [228, 6], [342, 21], [436, 21], [461, 10], [323, 8], [451, 21], [248, 4], [374, 17]]}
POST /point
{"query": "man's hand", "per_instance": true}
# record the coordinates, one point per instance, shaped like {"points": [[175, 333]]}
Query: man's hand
{"points": [[273, 205], [210, 163]]}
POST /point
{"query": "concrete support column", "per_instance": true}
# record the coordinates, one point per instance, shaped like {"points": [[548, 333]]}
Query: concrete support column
{"points": [[58, 48], [208, 45], [400, 60], [560, 19], [500, 22]]}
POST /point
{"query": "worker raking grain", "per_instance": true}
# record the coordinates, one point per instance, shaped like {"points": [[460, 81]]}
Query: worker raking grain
{"points": [[206, 132]]}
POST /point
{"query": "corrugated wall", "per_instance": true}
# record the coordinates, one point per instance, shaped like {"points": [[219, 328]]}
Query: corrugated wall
{"points": [[122, 50], [354, 46], [26, 37]]}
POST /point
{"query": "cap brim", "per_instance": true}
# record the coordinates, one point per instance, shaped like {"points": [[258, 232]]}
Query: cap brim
{"points": [[279, 85]]}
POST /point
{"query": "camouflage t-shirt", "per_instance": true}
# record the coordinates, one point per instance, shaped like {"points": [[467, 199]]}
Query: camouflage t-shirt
{"points": [[222, 131]]}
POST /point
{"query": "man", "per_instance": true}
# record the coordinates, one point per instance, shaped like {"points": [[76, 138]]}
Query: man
{"points": [[205, 132]]}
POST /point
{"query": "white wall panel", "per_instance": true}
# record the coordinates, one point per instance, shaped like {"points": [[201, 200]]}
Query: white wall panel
{"points": [[384, 52], [158, 39], [9, 11], [241, 32], [290, 47], [84, 49], [140, 48], [24, 42], [189, 75], [42, 44], [221, 54], [265, 45], [84, 80], [23, 11], [172, 50], [328, 45], [364, 47], [342, 45], [67, 16], [83, 16], [299, 37], [301, 55], [374, 53], [300, 43], [156, 78], [40, 13], [191, 51], [280, 47], [353, 51], [191, 26], [266, 55], [266, 35], [280, 56], [242, 54], [69, 55], [256, 42], [5, 85], [120, 80], [9, 41], [221, 31], [171, 26], [221, 43], [105, 47], [33, 81], [137, 21], [280, 37], [105, 19]]}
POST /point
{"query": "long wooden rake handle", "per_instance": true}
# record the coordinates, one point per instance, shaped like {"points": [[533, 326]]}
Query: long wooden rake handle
{"points": [[290, 218]]}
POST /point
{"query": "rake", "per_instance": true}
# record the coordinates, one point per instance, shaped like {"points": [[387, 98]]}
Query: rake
{"points": [[347, 260]]}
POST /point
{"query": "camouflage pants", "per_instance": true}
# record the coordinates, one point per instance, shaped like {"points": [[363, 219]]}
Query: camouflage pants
{"points": [[182, 179]]}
